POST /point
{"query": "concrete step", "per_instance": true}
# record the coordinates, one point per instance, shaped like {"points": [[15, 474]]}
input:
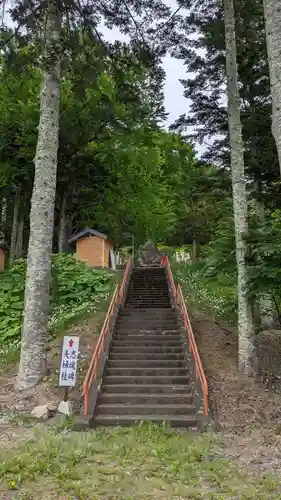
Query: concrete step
{"points": [[150, 331], [161, 291], [154, 296], [148, 313], [157, 309], [136, 279], [145, 324], [156, 300], [123, 347], [149, 351], [147, 295], [149, 290], [147, 409], [146, 379], [147, 356], [147, 363], [133, 305], [127, 320], [148, 340], [144, 398], [126, 371], [137, 303], [152, 344], [148, 286], [147, 320], [154, 389], [179, 421], [145, 306], [143, 337]]}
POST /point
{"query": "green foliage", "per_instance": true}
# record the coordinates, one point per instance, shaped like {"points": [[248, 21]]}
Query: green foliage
{"points": [[167, 250], [216, 294], [208, 116], [75, 280], [264, 259], [118, 169], [75, 289], [11, 300]]}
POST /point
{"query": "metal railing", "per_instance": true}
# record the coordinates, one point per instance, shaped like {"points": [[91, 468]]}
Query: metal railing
{"points": [[180, 303], [116, 301], [166, 263]]}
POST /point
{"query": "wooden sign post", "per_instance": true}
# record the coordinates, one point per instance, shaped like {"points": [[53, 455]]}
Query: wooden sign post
{"points": [[68, 370]]}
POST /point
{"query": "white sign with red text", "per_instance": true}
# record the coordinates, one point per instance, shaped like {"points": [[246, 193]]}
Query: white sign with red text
{"points": [[69, 358]]}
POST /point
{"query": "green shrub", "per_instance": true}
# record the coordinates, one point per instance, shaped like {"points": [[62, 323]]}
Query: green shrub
{"points": [[75, 289], [11, 300], [216, 294], [169, 251]]}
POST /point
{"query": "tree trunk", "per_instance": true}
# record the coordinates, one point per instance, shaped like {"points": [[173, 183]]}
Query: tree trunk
{"points": [[13, 243], [69, 225], [3, 221], [245, 320], [33, 365], [194, 251], [266, 312], [62, 225], [266, 307], [272, 14], [19, 243]]}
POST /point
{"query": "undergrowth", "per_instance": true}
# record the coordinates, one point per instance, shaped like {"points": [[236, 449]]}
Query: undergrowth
{"points": [[213, 293], [76, 290], [145, 462]]}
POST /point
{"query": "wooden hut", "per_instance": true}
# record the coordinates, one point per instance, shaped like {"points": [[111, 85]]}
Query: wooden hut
{"points": [[92, 247]]}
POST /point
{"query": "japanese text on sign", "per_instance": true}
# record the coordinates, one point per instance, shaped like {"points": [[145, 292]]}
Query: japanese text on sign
{"points": [[68, 367]]}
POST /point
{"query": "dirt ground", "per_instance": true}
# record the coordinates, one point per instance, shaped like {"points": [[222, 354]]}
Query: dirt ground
{"points": [[15, 409], [247, 414]]}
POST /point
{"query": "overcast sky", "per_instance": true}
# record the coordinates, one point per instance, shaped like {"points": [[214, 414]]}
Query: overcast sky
{"points": [[175, 103]]}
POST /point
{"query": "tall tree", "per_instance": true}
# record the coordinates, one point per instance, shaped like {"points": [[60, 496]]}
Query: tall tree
{"points": [[205, 60], [272, 12], [245, 320], [33, 363]]}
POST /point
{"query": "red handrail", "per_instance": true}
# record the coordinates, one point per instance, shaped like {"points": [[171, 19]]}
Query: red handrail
{"points": [[166, 263], [199, 370], [117, 299], [125, 280], [179, 300]]}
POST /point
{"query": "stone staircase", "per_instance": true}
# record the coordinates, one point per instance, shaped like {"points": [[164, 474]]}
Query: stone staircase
{"points": [[146, 376]]}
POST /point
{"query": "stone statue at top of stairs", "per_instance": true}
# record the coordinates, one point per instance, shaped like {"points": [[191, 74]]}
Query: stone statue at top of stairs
{"points": [[149, 255]]}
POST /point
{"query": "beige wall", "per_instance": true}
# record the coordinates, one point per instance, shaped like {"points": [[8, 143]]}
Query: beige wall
{"points": [[93, 250]]}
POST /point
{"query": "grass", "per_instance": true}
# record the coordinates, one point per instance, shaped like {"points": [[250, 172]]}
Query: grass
{"points": [[145, 462]]}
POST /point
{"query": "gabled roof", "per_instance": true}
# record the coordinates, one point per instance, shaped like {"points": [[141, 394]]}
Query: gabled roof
{"points": [[86, 232]]}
